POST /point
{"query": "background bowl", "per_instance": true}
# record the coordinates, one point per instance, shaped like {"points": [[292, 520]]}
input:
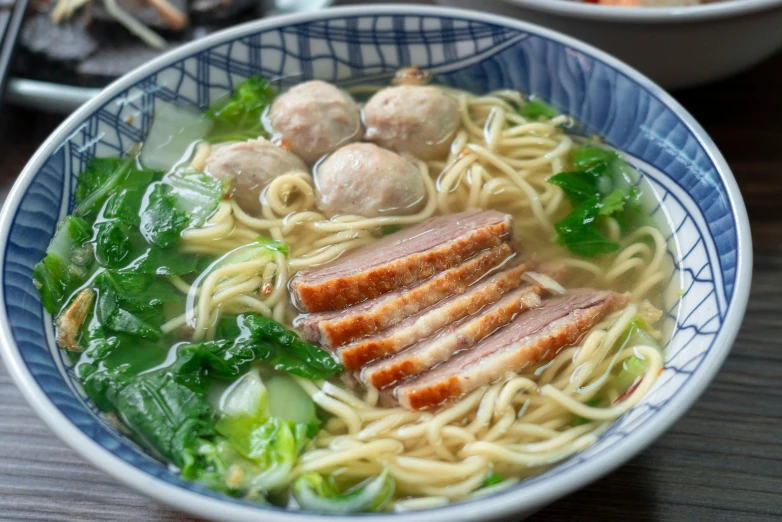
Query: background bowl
{"points": [[676, 46], [710, 245]]}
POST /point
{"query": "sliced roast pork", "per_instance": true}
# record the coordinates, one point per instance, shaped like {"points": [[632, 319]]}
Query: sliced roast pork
{"points": [[532, 337], [332, 329], [455, 337], [399, 260], [423, 324]]}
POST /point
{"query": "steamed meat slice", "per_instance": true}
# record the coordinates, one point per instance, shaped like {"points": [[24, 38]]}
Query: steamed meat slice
{"points": [[250, 166], [315, 118], [363, 179], [332, 329], [457, 336], [419, 120], [399, 260], [428, 321], [532, 337]]}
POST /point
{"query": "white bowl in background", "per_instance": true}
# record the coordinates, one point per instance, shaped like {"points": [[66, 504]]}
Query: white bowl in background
{"points": [[675, 46]]}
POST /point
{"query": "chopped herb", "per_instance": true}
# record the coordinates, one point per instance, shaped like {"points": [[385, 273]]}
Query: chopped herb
{"points": [[601, 188]]}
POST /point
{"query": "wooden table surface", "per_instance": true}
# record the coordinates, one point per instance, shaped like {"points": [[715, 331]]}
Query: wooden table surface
{"points": [[722, 461]]}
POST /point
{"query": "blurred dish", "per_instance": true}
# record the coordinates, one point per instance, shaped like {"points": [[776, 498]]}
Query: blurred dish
{"points": [[67, 57], [676, 46]]}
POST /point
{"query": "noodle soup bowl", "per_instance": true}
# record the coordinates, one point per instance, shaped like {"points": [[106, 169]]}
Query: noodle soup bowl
{"points": [[708, 245]]}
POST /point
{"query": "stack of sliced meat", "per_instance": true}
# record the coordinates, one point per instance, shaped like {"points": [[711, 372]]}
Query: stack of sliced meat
{"points": [[440, 309]]}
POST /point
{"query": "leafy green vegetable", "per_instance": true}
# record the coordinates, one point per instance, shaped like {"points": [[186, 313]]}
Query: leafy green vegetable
{"points": [[151, 259], [612, 203], [288, 401], [271, 444], [579, 232], [600, 189], [161, 221], [166, 407], [290, 354], [67, 265], [634, 367], [536, 108], [239, 117], [112, 244], [195, 193], [315, 493], [492, 479], [132, 304], [103, 177], [578, 186], [124, 206], [587, 156]]}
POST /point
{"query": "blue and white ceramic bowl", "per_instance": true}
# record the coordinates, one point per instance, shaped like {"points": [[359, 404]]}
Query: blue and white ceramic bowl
{"points": [[465, 49]]}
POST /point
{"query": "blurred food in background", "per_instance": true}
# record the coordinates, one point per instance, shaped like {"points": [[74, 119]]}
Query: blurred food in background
{"points": [[91, 42], [650, 3]]}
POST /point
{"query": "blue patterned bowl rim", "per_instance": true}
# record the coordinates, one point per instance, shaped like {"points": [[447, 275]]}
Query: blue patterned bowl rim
{"points": [[522, 499]]}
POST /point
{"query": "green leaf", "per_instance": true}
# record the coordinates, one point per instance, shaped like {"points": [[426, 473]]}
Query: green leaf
{"points": [[587, 242], [273, 244], [147, 290], [314, 493], [112, 244], [195, 193], [578, 186], [288, 401], [240, 116], [492, 479], [132, 303], [161, 221], [67, 265], [273, 445], [535, 109], [151, 259], [612, 203], [587, 156], [102, 177], [292, 354], [634, 367], [124, 206], [600, 188], [164, 413]]}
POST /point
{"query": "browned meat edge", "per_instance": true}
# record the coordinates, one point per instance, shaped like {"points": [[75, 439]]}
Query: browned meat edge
{"points": [[399, 260], [541, 334], [455, 337], [332, 329], [426, 322]]}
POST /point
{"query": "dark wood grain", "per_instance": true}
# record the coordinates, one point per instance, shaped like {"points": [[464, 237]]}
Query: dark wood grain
{"points": [[720, 462]]}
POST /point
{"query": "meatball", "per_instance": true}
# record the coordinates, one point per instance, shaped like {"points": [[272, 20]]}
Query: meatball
{"points": [[365, 180], [416, 119], [315, 118], [251, 165]]}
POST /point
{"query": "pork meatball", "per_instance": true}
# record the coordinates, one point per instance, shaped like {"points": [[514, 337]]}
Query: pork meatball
{"points": [[314, 119], [414, 119], [366, 180], [251, 165]]}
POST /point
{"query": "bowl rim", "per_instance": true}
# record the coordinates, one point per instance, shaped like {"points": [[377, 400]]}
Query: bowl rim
{"points": [[662, 15], [504, 504]]}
